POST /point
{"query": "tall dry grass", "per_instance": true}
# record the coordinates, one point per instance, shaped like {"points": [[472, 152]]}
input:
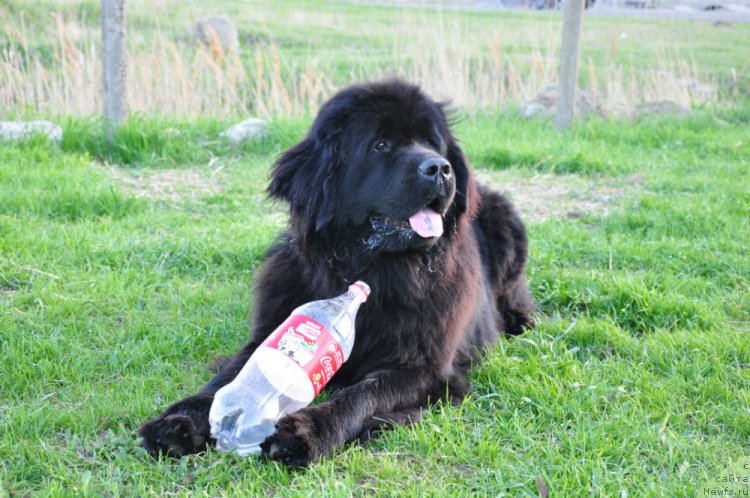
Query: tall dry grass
{"points": [[176, 76], [511, 69], [169, 77]]}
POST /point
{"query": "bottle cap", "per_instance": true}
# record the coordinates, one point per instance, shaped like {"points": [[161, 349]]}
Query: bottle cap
{"points": [[361, 289]]}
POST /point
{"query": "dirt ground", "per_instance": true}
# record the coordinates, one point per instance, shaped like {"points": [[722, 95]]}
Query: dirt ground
{"points": [[537, 198], [167, 184], [544, 196]]}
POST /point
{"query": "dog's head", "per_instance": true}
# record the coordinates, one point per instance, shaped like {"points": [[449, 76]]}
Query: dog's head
{"points": [[379, 165]]}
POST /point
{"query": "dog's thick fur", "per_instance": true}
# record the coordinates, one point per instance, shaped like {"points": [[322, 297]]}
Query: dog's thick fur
{"points": [[376, 154]]}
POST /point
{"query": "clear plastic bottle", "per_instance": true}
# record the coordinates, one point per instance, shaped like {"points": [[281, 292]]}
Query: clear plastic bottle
{"points": [[286, 371]]}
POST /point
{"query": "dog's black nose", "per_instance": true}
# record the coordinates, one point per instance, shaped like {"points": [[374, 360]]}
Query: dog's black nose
{"points": [[435, 168]]}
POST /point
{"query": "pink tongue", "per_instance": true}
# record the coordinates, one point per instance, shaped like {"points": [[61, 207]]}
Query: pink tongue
{"points": [[427, 223]]}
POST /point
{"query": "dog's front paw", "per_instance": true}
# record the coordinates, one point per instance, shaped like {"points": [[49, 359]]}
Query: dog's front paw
{"points": [[181, 430], [293, 443], [517, 322]]}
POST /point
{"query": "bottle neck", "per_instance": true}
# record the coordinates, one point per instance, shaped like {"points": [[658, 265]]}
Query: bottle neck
{"points": [[353, 305], [348, 315], [358, 293]]}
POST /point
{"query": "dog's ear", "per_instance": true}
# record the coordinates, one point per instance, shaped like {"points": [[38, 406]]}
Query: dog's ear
{"points": [[467, 198], [305, 177]]}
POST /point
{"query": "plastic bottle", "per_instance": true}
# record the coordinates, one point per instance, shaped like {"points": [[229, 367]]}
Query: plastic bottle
{"points": [[286, 371]]}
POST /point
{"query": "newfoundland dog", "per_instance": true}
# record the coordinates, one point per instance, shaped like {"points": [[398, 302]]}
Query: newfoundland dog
{"points": [[378, 190]]}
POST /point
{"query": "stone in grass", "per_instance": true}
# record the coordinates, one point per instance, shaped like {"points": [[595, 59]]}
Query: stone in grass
{"points": [[546, 103], [249, 129], [219, 27], [533, 108], [660, 108], [23, 130]]}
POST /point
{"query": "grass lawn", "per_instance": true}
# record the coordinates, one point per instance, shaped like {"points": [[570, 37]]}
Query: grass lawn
{"points": [[115, 298], [124, 271]]}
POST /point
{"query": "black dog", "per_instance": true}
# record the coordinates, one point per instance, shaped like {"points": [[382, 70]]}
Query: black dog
{"points": [[378, 190]]}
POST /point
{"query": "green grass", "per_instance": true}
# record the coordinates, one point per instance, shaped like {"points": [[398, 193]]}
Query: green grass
{"points": [[636, 378]]}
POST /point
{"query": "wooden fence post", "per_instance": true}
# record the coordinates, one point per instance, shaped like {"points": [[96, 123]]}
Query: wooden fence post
{"points": [[113, 54], [571, 33]]}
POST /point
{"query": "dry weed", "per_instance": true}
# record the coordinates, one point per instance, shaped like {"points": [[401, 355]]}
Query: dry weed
{"points": [[471, 69]]}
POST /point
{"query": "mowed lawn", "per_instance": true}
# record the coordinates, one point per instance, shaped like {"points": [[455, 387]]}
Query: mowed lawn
{"points": [[115, 298], [125, 270]]}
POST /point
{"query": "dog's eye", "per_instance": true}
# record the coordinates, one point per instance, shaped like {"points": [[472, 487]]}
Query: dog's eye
{"points": [[381, 146]]}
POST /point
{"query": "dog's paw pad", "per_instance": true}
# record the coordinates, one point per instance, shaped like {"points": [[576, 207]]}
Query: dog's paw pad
{"points": [[172, 435], [288, 444]]}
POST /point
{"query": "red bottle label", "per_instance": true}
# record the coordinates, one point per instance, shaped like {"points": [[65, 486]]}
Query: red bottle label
{"points": [[310, 345]]}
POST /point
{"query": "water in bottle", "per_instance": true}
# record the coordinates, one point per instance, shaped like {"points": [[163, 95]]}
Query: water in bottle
{"points": [[287, 371]]}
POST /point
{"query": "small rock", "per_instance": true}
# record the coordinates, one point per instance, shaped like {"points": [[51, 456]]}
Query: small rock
{"points": [[660, 108], [531, 109], [22, 130], [219, 28], [546, 103], [252, 128]]}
